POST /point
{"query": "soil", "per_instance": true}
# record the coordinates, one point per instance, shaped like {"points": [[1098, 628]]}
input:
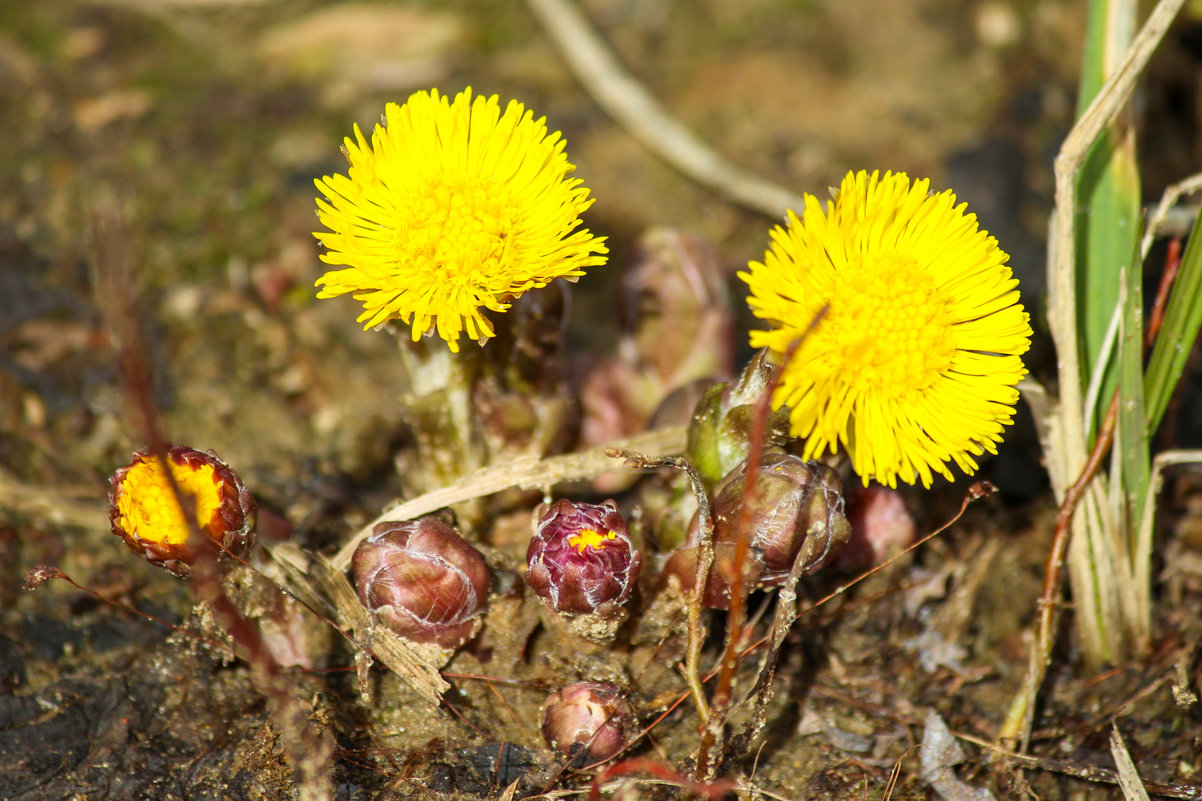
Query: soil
{"points": [[180, 139]]}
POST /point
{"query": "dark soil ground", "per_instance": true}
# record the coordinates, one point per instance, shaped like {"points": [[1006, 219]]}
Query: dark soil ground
{"points": [[187, 134]]}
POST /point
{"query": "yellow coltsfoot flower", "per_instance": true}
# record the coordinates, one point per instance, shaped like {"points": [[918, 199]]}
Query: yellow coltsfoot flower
{"points": [[146, 513], [915, 362], [453, 208]]}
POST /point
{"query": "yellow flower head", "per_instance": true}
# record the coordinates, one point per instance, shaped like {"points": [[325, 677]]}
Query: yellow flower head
{"points": [[146, 513], [915, 362], [453, 208], [148, 510]]}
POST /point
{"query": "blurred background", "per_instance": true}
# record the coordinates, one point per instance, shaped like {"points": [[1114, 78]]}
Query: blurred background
{"points": [[201, 124]]}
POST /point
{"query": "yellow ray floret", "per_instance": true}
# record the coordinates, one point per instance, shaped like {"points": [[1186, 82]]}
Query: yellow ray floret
{"points": [[453, 208], [915, 362]]}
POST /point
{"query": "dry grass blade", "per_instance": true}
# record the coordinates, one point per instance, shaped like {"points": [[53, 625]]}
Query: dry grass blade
{"points": [[1062, 313], [1129, 781], [1067, 455], [313, 578], [625, 99], [63, 507], [1089, 773], [1143, 541], [529, 473], [1158, 220]]}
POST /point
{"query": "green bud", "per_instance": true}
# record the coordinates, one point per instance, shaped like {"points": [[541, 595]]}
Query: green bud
{"points": [[720, 433]]}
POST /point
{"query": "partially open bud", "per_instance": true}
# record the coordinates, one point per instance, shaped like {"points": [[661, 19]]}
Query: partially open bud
{"points": [[424, 581], [147, 514], [590, 718], [581, 562], [796, 515]]}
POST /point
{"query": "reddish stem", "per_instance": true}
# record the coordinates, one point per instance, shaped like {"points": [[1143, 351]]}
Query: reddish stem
{"points": [[713, 790], [738, 596], [1172, 265]]}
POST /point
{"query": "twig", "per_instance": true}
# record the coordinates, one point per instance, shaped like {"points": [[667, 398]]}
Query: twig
{"points": [[529, 473], [1067, 461], [59, 507], [1129, 780], [625, 99], [1017, 725], [712, 790], [38, 575], [1172, 265], [977, 491], [1087, 772]]}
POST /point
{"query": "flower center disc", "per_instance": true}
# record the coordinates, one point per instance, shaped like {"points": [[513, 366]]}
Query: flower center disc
{"points": [[589, 539], [888, 331], [458, 233], [149, 507]]}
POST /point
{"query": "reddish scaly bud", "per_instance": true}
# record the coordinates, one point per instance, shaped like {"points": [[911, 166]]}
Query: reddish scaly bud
{"points": [[796, 515], [881, 527], [683, 565], [146, 513], [590, 717], [426, 583], [581, 562]]}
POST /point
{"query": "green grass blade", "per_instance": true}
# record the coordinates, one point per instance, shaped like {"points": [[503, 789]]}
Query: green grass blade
{"points": [[1108, 198], [1134, 456], [1182, 319]]}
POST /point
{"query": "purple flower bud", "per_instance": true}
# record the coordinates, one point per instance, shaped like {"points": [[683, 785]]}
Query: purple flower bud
{"points": [[581, 560], [590, 717], [426, 583]]}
